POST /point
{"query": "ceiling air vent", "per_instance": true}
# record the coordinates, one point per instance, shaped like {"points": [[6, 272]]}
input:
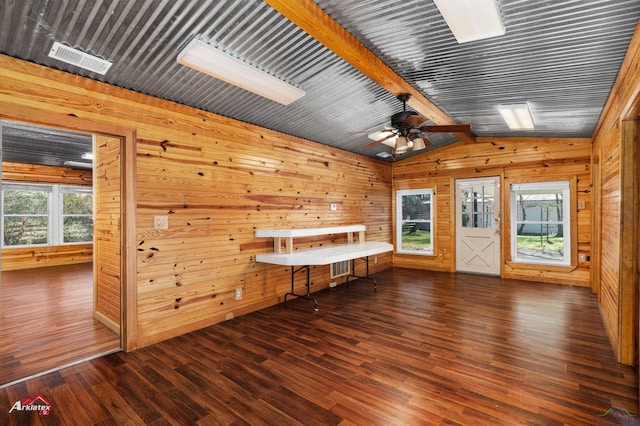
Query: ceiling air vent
{"points": [[79, 58]]}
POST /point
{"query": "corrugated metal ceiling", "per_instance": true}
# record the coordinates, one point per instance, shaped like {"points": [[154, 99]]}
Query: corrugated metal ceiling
{"points": [[560, 56]]}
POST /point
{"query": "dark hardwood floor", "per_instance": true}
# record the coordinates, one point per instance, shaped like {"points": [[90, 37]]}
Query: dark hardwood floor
{"points": [[46, 321], [426, 348]]}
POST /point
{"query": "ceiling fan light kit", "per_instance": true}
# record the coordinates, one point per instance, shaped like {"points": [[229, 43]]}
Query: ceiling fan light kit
{"points": [[402, 145], [419, 144]]}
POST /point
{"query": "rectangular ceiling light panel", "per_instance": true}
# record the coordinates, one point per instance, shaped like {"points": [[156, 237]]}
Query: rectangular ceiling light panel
{"points": [[471, 20], [211, 61], [517, 117], [79, 58]]}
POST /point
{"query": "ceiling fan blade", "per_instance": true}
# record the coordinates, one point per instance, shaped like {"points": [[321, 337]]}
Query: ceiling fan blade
{"points": [[414, 121], [379, 141], [447, 128], [379, 134], [380, 129]]}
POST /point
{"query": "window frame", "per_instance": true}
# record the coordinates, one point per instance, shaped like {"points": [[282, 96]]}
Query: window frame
{"points": [[568, 220], [400, 193], [55, 215]]}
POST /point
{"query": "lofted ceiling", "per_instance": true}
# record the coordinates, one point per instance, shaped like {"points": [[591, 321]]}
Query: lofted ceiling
{"points": [[351, 57]]}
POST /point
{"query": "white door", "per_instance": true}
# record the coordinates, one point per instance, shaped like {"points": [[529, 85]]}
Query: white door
{"points": [[478, 225]]}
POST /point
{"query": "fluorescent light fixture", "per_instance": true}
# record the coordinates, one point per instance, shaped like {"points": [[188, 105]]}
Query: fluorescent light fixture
{"points": [[211, 61], [471, 20], [517, 117], [87, 156], [78, 165]]}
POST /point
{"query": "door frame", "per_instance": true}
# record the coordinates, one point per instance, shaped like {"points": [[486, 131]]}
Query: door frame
{"points": [[127, 136], [498, 226]]}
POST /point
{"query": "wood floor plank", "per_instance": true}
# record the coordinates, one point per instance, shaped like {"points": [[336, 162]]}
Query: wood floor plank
{"points": [[425, 348], [46, 320]]}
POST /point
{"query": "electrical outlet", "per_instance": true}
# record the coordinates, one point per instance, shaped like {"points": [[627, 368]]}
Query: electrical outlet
{"points": [[334, 207], [238, 293], [582, 257], [161, 222], [332, 284]]}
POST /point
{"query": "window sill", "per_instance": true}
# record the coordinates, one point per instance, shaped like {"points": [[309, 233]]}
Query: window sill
{"points": [[541, 266], [414, 253]]}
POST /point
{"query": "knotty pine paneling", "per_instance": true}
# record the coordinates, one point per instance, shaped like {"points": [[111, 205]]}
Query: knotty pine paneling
{"points": [[216, 208], [515, 160], [25, 258], [217, 180], [35, 173], [617, 292], [107, 230], [37, 257]]}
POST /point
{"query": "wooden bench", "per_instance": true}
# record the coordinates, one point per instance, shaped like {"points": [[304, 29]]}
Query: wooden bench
{"points": [[350, 251]]}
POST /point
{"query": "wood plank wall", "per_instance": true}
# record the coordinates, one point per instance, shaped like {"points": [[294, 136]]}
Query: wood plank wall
{"points": [[30, 257], [107, 231], [514, 160], [616, 283], [218, 180]]}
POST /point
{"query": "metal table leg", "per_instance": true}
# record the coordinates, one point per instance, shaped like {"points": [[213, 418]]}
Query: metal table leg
{"points": [[366, 277], [305, 296]]}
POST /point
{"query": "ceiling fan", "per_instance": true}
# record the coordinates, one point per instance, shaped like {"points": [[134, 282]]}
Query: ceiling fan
{"points": [[408, 130]]}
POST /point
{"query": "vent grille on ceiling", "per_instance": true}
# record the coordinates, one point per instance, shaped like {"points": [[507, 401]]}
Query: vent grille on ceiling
{"points": [[79, 58], [339, 269]]}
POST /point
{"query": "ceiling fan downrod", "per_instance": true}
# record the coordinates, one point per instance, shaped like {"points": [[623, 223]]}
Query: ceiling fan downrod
{"points": [[398, 120]]}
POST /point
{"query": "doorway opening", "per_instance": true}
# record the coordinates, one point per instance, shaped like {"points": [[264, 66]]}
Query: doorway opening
{"points": [[49, 287]]}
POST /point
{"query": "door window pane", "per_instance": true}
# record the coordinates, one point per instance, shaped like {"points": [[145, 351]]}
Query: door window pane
{"points": [[478, 206]]}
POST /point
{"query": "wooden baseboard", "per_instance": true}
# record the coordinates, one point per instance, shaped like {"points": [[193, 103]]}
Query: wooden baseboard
{"points": [[107, 322]]}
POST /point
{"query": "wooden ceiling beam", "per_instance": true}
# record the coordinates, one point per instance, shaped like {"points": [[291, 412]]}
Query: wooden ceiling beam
{"points": [[314, 21]]}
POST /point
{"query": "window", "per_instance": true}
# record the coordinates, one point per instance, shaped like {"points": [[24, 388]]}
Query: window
{"points": [[414, 230], [46, 215], [77, 214], [540, 229], [25, 216]]}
